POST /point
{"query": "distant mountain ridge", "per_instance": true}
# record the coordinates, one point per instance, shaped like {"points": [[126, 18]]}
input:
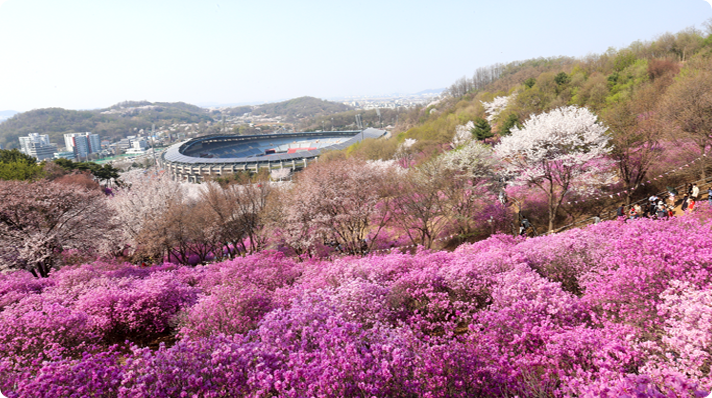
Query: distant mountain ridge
{"points": [[292, 110], [111, 123], [4, 115], [127, 117], [435, 91]]}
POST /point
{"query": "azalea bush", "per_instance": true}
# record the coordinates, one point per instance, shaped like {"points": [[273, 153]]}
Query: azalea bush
{"points": [[614, 309]]}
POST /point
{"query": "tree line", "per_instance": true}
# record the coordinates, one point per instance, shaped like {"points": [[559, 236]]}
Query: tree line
{"points": [[56, 122]]}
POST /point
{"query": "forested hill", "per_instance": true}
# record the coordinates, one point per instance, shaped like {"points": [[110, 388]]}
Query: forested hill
{"points": [[111, 123], [624, 87], [7, 114], [294, 109], [126, 118]]}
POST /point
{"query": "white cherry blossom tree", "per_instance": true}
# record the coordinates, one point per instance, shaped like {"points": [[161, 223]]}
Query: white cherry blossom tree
{"points": [[141, 206], [463, 134], [279, 174], [405, 154], [496, 106], [473, 161], [558, 152]]}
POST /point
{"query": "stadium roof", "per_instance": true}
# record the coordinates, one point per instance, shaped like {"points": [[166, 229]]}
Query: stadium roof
{"points": [[175, 153]]}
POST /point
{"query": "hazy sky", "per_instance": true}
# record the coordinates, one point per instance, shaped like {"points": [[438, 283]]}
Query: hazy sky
{"points": [[85, 54]]}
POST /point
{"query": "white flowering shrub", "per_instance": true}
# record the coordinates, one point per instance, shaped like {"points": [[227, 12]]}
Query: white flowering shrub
{"points": [[558, 152], [498, 104], [463, 134], [474, 160]]}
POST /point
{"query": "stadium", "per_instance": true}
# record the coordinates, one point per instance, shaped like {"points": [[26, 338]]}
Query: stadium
{"points": [[220, 154]]}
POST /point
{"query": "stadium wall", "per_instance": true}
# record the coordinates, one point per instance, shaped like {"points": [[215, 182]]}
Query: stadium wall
{"points": [[196, 169]]}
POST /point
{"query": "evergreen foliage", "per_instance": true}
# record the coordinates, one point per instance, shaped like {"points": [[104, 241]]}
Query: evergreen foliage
{"points": [[15, 165], [509, 123], [482, 130], [104, 172], [561, 78]]}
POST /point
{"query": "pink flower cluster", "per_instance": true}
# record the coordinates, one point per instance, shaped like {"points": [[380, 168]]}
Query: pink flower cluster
{"points": [[615, 309]]}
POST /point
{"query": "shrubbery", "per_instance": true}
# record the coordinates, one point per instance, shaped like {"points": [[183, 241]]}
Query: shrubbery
{"points": [[613, 309]]}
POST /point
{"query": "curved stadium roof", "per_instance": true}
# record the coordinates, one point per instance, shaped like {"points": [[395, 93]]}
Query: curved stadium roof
{"points": [[253, 146]]}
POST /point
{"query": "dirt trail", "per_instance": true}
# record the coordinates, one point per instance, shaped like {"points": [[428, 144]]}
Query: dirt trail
{"points": [[702, 198]]}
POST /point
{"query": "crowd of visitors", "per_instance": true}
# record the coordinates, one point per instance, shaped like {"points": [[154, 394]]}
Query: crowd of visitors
{"points": [[658, 208]]}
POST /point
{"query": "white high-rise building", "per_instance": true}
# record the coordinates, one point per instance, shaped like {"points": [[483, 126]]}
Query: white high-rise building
{"points": [[82, 144], [37, 145], [138, 146]]}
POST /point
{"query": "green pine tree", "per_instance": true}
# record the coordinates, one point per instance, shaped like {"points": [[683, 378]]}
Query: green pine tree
{"points": [[510, 122], [15, 165], [482, 130]]}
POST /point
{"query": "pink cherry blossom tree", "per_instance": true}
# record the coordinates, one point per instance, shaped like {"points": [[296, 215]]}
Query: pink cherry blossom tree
{"points": [[421, 201], [558, 152], [636, 133], [38, 221], [238, 211], [337, 202]]}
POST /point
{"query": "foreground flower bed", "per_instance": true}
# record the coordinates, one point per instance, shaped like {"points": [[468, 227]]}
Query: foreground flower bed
{"points": [[611, 310]]}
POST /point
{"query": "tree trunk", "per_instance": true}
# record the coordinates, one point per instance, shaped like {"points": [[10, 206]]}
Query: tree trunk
{"points": [[703, 159], [552, 210]]}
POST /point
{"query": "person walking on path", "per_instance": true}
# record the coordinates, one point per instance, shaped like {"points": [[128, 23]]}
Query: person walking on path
{"points": [[709, 195], [695, 192], [525, 226]]}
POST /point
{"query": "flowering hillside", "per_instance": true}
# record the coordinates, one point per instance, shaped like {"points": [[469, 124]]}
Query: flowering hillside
{"points": [[615, 309]]}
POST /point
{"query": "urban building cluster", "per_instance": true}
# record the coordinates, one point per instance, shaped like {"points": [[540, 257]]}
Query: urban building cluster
{"points": [[37, 145], [76, 146], [80, 146], [391, 102]]}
